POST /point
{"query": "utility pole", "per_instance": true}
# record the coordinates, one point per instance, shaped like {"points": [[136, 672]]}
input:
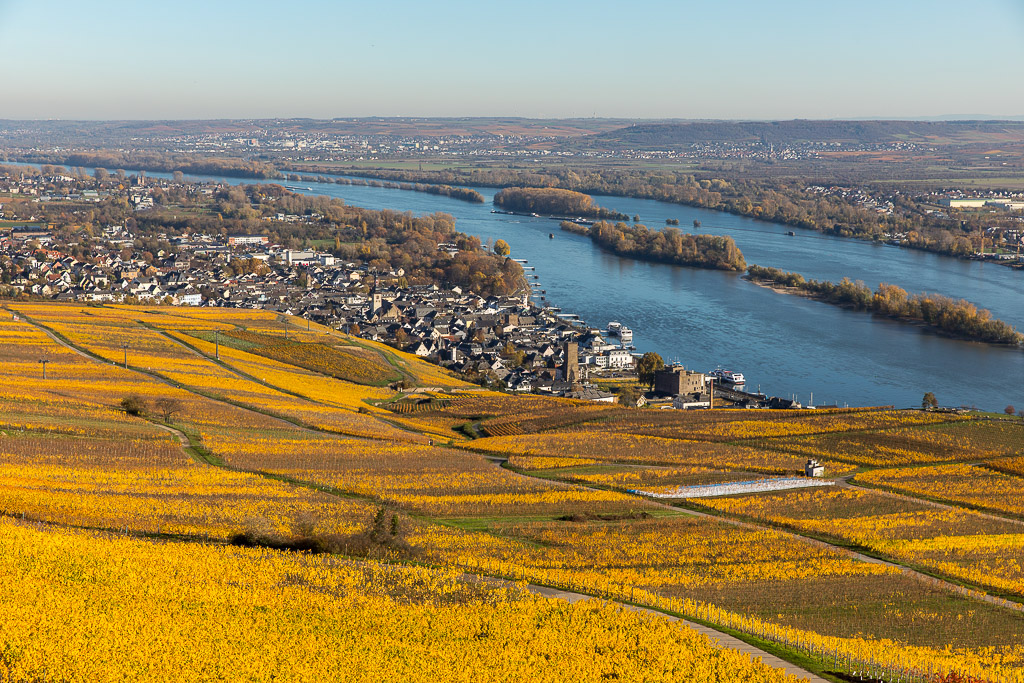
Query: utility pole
{"points": [[44, 361], [124, 345], [216, 342]]}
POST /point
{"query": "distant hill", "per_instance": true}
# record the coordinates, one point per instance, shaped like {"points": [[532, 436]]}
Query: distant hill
{"points": [[138, 134], [670, 135]]}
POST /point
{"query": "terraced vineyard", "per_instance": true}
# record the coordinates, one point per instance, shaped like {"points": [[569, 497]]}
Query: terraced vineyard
{"points": [[183, 476]]}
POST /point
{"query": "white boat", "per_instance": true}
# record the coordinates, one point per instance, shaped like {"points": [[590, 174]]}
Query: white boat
{"points": [[625, 335], [727, 376]]}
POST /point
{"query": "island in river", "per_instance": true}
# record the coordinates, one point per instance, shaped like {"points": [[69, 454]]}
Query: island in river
{"points": [[955, 318], [667, 245], [552, 201]]}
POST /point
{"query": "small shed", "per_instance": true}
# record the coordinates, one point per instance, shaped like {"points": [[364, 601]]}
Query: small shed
{"points": [[814, 469]]}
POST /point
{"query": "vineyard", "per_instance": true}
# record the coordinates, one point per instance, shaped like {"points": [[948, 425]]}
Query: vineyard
{"points": [[181, 476], [159, 611], [980, 550], [971, 486], [350, 363]]}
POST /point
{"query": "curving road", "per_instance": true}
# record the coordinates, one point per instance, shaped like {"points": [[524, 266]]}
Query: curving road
{"points": [[920, 576], [721, 639]]}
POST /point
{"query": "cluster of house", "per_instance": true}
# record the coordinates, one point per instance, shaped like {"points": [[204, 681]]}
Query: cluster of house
{"points": [[50, 272], [57, 187], [195, 271], [856, 196], [30, 186], [506, 340]]}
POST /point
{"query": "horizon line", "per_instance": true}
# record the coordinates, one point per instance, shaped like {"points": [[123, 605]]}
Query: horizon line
{"points": [[943, 118]]}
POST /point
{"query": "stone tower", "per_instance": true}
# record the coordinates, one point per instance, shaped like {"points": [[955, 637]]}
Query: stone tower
{"points": [[571, 371]]}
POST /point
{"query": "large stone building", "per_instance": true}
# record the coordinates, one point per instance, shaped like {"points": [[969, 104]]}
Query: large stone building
{"points": [[675, 380]]}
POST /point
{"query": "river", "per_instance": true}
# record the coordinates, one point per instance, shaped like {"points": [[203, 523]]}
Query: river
{"points": [[786, 345]]}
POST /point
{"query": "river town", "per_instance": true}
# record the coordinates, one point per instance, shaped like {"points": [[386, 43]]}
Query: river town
{"points": [[698, 318], [506, 342]]}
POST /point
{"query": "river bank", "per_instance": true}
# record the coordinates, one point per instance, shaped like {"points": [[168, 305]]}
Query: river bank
{"points": [[920, 324], [735, 196], [425, 181], [710, 318]]}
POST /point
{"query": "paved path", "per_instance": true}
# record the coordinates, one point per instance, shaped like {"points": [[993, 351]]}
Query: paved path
{"points": [[184, 440], [907, 571], [58, 340], [722, 639]]}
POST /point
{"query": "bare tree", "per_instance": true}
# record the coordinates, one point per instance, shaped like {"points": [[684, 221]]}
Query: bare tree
{"points": [[168, 407]]}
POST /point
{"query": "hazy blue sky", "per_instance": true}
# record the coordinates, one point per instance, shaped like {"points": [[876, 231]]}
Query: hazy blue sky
{"points": [[644, 58]]}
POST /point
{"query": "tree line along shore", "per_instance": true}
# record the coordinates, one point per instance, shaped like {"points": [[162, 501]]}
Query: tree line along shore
{"points": [[782, 200], [667, 245], [951, 317]]}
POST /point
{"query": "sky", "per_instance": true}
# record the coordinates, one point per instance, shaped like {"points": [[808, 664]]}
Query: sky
{"points": [[721, 59]]}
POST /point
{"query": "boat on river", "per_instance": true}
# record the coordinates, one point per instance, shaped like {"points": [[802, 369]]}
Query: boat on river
{"points": [[617, 329], [729, 376]]}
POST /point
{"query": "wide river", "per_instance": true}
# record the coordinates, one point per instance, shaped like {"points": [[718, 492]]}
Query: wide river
{"points": [[786, 345]]}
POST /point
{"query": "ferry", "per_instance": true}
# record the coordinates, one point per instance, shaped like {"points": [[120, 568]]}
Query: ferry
{"points": [[625, 335], [727, 376]]}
